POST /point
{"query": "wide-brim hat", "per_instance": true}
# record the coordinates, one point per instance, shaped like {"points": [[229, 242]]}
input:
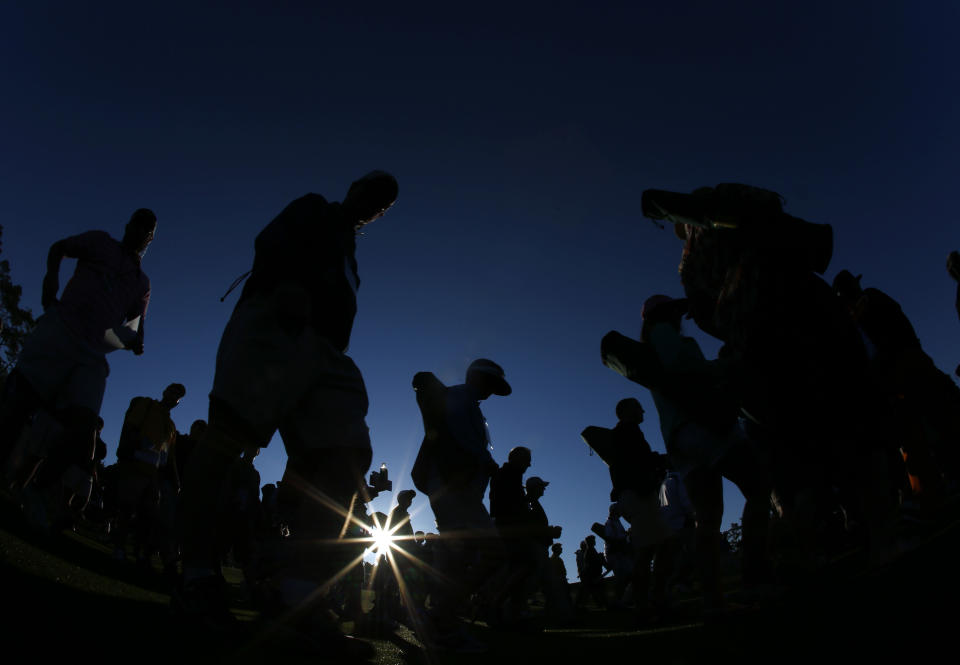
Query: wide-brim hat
{"points": [[404, 493], [492, 369], [845, 282], [661, 303]]}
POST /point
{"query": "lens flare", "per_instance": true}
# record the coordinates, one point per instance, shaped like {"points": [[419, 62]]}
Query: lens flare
{"points": [[382, 540]]}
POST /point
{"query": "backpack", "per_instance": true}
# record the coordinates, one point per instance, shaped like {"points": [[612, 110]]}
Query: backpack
{"points": [[438, 450]]}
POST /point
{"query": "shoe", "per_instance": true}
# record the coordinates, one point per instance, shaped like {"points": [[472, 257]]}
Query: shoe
{"points": [[202, 603]]}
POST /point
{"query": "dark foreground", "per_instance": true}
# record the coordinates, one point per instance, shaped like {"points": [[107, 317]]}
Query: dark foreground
{"points": [[66, 599]]}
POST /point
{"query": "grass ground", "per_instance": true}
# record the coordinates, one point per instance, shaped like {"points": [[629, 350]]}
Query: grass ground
{"points": [[66, 598]]}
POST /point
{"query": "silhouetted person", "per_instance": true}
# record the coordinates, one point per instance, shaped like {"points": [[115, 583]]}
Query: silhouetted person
{"points": [[145, 452], [634, 472], [509, 507], [619, 554], [795, 362], [399, 521], [186, 443], [591, 578], [511, 512], [407, 555], [919, 395], [62, 367], [282, 365], [674, 560], [578, 559], [241, 511], [559, 570], [540, 537], [453, 467], [271, 527], [704, 452]]}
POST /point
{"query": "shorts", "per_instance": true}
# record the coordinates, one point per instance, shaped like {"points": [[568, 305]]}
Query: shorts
{"points": [[276, 373], [63, 370], [457, 510], [642, 512]]}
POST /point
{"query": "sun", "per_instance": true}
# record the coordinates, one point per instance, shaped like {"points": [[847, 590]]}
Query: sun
{"points": [[381, 540]]}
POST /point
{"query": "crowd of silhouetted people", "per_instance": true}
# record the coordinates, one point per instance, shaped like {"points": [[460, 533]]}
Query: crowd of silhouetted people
{"points": [[821, 407]]}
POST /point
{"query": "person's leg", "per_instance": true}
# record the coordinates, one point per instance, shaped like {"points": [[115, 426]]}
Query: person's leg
{"points": [[705, 490], [641, 578], [743, 470], [664, 564], [262, 372], [321, 492]]}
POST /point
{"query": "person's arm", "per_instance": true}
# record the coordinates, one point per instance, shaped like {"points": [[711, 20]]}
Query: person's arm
{"points": [[139, 314], [73, 247]]}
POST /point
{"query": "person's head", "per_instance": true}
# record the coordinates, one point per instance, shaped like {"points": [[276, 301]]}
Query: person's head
{"points": [[419, 537], [629, 410], [487, 378], [591, 540], [614, 511], [521, 457], [535, 487], [847, 287], [405, 498], [140, 231], [370, 197], [953, 264], [379, 519], [197, 428], [268, 490], [662, 309], [250, 453], [557, 549], [172, 395]]}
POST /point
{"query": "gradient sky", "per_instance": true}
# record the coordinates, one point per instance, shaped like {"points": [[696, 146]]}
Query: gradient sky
{"points": [[521, 134]]}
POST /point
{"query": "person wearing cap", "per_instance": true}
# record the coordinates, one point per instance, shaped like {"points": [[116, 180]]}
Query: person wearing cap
{"points": [[705, 447], [453, 468], [399, 521], [540, 537], [62, 367], [282, 365], [919, 394], [542, 532]]}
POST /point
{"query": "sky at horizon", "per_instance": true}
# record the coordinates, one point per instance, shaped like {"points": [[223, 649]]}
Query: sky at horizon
{"points": [[521, 139]]}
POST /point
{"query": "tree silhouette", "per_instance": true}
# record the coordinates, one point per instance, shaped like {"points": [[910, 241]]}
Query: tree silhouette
{"points": [[15, 322], [733, 537]]}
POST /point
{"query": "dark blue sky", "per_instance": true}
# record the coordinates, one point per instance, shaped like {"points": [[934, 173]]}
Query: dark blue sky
{"points": [[522, 135]]}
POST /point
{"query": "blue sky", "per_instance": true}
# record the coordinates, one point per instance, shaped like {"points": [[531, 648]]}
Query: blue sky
{"points": [[521, 134]]}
